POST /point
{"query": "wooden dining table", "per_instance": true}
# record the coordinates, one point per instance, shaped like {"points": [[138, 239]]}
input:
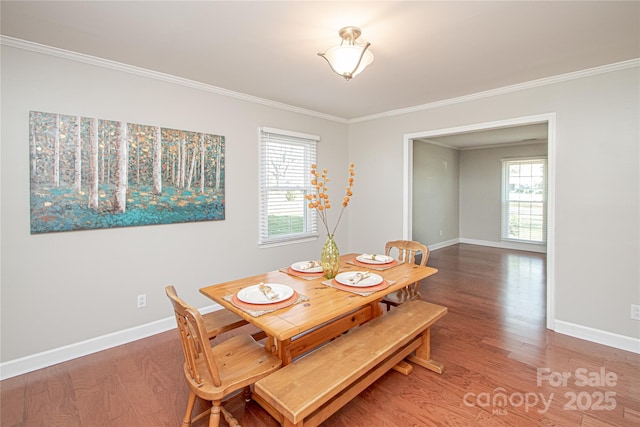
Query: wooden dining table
{"points": [[323, 313]]}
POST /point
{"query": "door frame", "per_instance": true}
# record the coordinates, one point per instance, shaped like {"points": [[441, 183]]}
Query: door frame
{"points": [[407, 184]]}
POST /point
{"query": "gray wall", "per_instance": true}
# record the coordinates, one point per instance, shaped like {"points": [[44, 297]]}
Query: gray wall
{"points": [[59, 289], [436, 189], [457, 193], [597, 192], [481, 189], [54, 287]]}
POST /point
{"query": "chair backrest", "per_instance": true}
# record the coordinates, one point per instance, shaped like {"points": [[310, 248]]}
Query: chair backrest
{"points": [[407, 251], [193, 337]]}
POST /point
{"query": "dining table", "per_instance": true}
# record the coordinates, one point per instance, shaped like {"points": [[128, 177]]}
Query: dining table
{"points": [[319, 309]]}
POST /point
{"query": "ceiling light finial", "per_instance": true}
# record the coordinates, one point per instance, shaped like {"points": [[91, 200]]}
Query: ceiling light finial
{"points": [[349, 58]]}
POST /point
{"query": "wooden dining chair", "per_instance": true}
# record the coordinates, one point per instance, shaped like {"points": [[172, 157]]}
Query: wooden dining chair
{"points": [[407, 251], [214, 372]]}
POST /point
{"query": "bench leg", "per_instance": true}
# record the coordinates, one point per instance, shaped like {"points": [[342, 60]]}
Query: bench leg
{"points": [[422, 355], [403, 367]]}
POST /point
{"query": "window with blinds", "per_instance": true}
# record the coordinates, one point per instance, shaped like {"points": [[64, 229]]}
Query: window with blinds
{"points": [[524, 200], [285, 163]]}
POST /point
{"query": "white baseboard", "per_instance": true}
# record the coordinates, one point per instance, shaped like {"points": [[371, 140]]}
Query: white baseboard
{"points": [[598, 336], [501, 245], [47, 358], [506, 245], [54, 356], [444, 244]]}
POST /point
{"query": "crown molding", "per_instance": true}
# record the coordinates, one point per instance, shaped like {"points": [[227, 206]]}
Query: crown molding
{"points": [[143, 72], [101, 62], [506, 89]]}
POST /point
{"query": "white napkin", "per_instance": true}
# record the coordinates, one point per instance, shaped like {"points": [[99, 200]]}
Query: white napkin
{"points": [[268, 292], [374, 257], [308, 265], [358, 277]]}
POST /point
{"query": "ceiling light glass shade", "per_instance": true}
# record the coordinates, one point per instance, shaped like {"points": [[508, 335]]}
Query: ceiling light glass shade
{"points": [[349, 59]]}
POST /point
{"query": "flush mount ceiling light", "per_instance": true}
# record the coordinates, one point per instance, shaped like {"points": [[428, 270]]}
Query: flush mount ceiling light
{"points": [[349, 58]]}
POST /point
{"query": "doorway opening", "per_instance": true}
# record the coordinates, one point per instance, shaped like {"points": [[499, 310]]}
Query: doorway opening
{"points": [[408, 184]]}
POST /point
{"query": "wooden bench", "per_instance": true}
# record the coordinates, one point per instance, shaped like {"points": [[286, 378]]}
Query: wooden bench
{"points": [[312, 388]]}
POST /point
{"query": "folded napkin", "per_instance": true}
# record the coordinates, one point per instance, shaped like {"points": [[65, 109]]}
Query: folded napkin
{"points": [[268, 292], [308, 265], [358, 277], [374, 257]]}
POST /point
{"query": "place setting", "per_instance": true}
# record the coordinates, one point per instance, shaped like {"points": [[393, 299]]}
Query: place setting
{"points": [[265, 298], [374, 261], [308, 270], [359, 282]]}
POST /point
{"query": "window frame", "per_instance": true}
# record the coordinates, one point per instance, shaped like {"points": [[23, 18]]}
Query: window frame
{"points": [[505, 214], [268, 138]]}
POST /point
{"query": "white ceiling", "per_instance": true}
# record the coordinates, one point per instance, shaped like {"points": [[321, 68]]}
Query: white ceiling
{"points": [[425, 51], [513, 135]]}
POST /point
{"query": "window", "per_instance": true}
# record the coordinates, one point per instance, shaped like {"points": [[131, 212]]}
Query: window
{"points": [[285, 161], [524, 198]]}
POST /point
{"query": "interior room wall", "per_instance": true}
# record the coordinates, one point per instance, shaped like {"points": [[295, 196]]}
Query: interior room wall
{"points": [[436, 189], [481, 191], [596, 196], [60, 289]]}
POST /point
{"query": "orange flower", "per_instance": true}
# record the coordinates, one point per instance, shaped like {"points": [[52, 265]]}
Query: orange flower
{"points": [[320, 199]]}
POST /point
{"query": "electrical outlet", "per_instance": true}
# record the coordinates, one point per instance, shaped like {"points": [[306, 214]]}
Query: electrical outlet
{"points": [[635, 312], [142, 300]]}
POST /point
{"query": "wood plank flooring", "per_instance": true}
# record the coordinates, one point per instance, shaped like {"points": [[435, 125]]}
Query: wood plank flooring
{"points": [[493, 343]]}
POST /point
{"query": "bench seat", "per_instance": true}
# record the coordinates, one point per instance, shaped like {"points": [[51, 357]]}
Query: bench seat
{"points": [[312, 388]]}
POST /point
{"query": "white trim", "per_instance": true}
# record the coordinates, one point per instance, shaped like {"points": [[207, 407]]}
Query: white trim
{"points": [[54, 356], [505, 89], [444, 244], [113, 65], [550, 119], [506, 245], [500, 245], [598, 336], [100, 62], [290, 133]]}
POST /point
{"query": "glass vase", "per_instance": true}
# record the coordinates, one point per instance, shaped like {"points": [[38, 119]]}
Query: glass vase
{"points": [[330, 258]]}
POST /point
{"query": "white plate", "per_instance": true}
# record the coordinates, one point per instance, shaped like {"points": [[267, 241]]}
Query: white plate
{"points": [[380, 259], [253, 294], [299, 266], [346, 277]]}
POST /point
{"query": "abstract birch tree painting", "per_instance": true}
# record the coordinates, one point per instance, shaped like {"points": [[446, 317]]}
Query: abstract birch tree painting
{"points": [[89, 173]]}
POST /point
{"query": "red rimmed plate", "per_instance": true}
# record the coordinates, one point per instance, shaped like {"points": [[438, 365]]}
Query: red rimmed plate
{"points": [[254, 295], [347, 277], [300, 273], [376, 288], [374, 259], [375, 266], [275, 306], [304, 267]]}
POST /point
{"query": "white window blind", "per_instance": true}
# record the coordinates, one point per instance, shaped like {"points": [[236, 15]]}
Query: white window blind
{"points": [[285, 164], [524, 200]]}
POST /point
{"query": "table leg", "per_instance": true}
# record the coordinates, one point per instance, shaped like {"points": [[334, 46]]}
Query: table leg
{"points": [[376, 310], [422, 355], [270, 345], [284, 352]]}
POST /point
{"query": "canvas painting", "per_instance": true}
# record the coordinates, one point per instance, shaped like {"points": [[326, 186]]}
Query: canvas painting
{"points": [[89, 173]]}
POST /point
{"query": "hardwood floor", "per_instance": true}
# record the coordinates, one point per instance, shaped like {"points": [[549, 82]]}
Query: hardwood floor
{"points": [[502, 367]]}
